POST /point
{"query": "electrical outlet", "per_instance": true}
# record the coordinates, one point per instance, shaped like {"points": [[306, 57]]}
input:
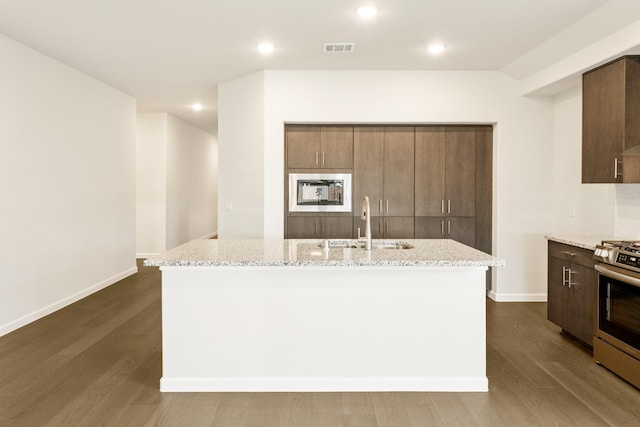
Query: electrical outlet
{"points": [[228, 205]]}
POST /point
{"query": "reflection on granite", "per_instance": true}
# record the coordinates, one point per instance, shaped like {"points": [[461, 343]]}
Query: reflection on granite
{"points": [[308, 252]]}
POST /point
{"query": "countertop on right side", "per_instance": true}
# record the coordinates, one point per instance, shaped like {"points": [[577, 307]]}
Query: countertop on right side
{"points": [[582, 241]]}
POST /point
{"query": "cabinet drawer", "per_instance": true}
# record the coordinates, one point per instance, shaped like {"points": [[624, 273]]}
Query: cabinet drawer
{"points": [[571, 253]]}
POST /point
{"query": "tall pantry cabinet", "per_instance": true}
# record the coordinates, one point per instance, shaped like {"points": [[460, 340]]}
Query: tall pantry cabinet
{"points": [[450, 181], [383, 171]]}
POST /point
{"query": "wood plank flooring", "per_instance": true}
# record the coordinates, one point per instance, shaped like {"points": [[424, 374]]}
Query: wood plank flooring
{"points": [[98, 363]]}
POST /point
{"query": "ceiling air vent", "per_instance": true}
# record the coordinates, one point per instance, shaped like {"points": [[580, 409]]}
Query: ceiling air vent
{"points": [[339, 47]]}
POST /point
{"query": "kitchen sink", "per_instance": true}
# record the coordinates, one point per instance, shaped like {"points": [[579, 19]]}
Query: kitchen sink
{"points": [[359, 244]]}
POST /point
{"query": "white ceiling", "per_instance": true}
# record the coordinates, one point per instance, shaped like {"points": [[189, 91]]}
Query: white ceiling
{"points": [[170, 53]]}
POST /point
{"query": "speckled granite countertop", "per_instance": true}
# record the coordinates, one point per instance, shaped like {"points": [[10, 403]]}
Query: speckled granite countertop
{"points": [[585, 242], [303, 252]]}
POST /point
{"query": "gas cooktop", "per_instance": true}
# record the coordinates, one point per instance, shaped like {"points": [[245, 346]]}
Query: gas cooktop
{"points": [[621, 253]]}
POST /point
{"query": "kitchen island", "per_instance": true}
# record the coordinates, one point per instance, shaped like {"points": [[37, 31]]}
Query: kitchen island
{"points": [[292, 315]]}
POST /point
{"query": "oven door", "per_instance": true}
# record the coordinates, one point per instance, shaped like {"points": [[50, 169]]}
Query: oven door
{"points": [[619, 307]]}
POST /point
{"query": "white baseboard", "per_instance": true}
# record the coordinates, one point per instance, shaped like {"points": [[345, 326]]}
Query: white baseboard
{"points": [[44, 311], [518, 297], [422, 384]]}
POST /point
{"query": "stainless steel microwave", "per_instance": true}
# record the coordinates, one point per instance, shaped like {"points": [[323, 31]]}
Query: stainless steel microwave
{"points": [[319, 192]]}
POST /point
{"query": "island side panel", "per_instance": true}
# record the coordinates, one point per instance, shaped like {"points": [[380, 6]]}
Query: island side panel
{"points": [[331, 329]]}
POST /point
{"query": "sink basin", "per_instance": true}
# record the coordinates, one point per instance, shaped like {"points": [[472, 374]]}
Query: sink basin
{"points": [[359, 244], [397, 245]]}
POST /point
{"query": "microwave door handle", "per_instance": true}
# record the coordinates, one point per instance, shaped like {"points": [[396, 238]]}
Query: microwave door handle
{"points": [[625, 278]]}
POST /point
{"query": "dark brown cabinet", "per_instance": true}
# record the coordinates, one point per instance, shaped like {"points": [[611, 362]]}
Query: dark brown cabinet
{"points": [[316, 147], [321, 226], [571, 293], [446, 177], [611, 122], [383, 171]]}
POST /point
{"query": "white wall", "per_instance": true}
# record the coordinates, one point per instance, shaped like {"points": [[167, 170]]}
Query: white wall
{"points": [[578, 209], [192, 183], [151, 184], [523, 150], [177, 192], [67, 185], [242, 183]]}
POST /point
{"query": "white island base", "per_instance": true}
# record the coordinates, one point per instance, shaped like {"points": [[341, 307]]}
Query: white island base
{"points": [[333, 328]]}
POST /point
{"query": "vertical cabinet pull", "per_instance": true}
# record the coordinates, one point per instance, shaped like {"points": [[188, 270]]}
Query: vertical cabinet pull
{"points": [[387, 205], [448, 206], [323, 158], [442, 224], [322, 222], [449, 228], [569, 282], [380, 222], [380, 206], [442, 207], [316, 157], [386, 228], [564, 275], [616, 172]]}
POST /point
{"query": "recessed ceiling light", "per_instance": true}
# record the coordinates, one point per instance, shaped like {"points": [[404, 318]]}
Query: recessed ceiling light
{"points": [[367, 12], [197, 106], [265, 48], [436, 48]]}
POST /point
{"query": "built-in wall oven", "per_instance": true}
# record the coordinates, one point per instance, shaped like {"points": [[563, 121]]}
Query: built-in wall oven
{"points": [[320, 192], [617, 342]]}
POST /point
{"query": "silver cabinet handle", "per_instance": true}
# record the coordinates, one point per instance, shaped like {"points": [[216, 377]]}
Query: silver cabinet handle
{"points": [[442, 207], [358, 233], [449, 228], [316, 157], [448, 206], [442, 224], [564, 275], [380, 205], [568, 253], [323, 158], [569, 278], [616, 173], [322, 222], [387, 205], [380, 224], [386, 228]]}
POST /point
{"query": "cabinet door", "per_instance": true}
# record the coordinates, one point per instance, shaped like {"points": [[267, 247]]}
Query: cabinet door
{"points": [[359, 226], [461, 229], [581, 305], [398, 227], [556, 291], [460, 169], [336, 147], [303, 147], [429, 227], [429, 171], [303, 227], [602, 122], [368, 147], [336, 227], [398, 173]]}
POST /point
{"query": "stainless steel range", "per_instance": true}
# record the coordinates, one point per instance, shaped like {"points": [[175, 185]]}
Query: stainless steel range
{"points": [[617, 343]]}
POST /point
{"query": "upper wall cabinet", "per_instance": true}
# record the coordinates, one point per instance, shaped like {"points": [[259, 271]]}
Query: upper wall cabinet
{"points": [[611, 122], [317, 147]]}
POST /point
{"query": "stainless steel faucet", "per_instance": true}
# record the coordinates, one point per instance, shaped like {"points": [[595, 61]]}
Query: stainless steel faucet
{"points": [[366, 215]]}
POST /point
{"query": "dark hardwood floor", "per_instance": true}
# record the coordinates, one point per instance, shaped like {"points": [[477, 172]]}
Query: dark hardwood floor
{"points": [[98, 363]]}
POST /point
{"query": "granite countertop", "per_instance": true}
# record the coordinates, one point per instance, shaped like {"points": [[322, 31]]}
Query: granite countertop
{"points": [[308, 252], [585, 242]]}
